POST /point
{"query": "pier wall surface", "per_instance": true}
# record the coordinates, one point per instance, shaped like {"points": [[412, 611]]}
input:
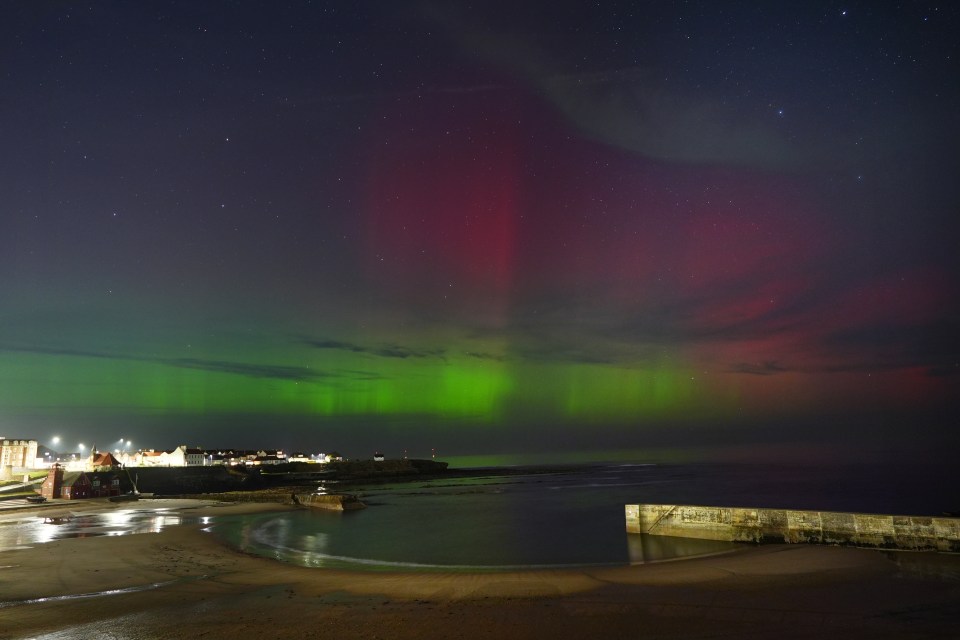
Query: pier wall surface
{"points": [[739, 524]]}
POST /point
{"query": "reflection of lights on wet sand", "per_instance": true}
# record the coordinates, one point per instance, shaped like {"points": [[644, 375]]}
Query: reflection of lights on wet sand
{"points": [[157, 521], [27, 532], [123, 518], [118, 518], [40, 532], [161, 521]]}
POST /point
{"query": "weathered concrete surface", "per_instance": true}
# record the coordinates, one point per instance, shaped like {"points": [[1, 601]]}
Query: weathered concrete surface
{"points": [[784, 525], [333, 502]]}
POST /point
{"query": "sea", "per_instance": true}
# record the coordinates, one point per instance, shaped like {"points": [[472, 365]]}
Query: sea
{"points": [[521, 518], [566, 517]]}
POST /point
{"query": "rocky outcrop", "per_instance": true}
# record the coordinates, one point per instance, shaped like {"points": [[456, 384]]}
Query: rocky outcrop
{"points": [[331, 502]]}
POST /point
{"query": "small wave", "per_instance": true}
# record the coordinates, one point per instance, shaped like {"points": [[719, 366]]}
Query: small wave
{"points": [[317, 559], [456, 567]]}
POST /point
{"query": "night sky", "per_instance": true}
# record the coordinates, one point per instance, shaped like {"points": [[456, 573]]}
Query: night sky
{"points": [[508, 231]]}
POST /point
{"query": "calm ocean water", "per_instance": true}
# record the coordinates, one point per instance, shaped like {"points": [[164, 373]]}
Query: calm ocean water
{"points": [[562, 519]]}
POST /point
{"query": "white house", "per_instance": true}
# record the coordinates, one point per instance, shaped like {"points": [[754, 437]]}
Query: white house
{"points": [[18, 453], [151, 458], [193, 457]]}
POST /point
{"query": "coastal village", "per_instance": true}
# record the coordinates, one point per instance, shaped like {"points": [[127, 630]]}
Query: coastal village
{"points": [[74, 476], [29, 454]]}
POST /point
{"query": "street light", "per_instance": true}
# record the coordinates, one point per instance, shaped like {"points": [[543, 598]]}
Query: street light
{"points": [[55, 440]]}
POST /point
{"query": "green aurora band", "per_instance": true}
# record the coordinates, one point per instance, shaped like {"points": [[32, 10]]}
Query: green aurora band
{"points": [[485, 391]]}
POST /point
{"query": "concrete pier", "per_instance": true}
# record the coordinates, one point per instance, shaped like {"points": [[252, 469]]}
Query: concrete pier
{"points": [[739, 524]]}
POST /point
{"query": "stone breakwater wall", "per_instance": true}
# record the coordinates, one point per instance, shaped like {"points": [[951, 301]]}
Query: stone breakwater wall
{"points": [[738, 524], [331, 502]]}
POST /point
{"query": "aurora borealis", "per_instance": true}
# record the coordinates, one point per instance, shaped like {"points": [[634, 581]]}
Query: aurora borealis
{"points": [[644, 230]]}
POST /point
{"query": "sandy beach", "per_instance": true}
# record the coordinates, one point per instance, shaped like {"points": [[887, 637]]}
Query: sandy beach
{"points": [[184, 583]]}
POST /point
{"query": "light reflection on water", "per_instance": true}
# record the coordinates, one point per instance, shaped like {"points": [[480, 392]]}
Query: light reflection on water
{"points": [[472, 524], [509, 521], [646, 549], [278, 537], [38, 528]]}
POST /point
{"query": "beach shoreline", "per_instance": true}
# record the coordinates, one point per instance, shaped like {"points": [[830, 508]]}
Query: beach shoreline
{"points": [[184, 582]]}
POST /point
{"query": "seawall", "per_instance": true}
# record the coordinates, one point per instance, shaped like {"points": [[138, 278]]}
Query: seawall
{"points": [[739, 524], [187, 480]]}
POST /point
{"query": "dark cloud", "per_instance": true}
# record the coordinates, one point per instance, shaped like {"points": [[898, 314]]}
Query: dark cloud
{"points": [[362, 375], [383, 351], [61, 351], [759, 369], [279, 372], [335, 344], [589, 329], [481, 355], [244, 369]]}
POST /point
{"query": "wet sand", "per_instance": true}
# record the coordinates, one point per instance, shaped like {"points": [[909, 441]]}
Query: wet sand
{"points": [[184, 583]]}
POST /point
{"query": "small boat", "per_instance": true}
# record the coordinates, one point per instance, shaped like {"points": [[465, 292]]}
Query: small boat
{"points": [[125, 497]]}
